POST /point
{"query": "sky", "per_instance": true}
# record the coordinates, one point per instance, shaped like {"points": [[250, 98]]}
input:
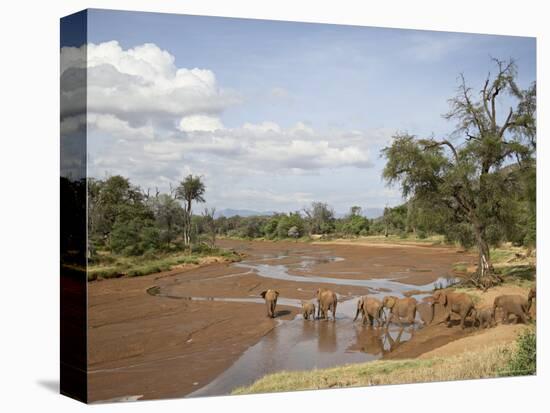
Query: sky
{"points": [[273, 115]]}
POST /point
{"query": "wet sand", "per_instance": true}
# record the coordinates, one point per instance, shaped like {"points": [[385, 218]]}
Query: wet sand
{"points": [[203, 331]]}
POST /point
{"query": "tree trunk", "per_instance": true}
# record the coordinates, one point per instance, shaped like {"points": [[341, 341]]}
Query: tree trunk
{"points": [[485, 276], [485, 266]]}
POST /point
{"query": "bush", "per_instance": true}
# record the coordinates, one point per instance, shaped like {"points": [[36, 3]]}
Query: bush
{"points": [[421, 234], [150, 239], [203, 248], [524, 360]]}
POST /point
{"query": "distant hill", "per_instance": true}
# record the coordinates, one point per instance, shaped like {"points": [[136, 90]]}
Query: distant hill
{"points": [[228, 212], [373, 212]]}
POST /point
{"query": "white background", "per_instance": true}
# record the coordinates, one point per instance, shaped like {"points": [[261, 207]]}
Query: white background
{"points": [[29, 203]]}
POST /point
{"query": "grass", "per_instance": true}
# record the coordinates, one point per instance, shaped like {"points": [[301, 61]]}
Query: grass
{"points": [[390, 239], [516, 265], [524, 359], [113, 266], [490, 362]]}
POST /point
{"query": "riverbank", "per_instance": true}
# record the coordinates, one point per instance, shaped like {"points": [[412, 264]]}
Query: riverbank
{"points": [[204, 328], [471, 365], [197, 321], [107, 265], [434, 353]]}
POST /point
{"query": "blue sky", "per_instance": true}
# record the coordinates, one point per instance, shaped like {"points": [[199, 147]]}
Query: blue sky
{"points": [[281, 113]]}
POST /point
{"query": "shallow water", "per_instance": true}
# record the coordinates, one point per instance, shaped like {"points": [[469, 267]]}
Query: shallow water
{"points": [[306, 344]]}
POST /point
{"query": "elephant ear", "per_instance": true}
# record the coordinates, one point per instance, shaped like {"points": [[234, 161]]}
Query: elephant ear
{"points": [[276, 293], [263, 293]]}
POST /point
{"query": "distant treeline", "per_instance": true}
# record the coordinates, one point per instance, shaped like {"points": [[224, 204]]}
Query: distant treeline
{"points": [[124, 219]]}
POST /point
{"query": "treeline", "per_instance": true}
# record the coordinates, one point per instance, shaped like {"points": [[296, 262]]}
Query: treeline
{"points": [[126, 220]]}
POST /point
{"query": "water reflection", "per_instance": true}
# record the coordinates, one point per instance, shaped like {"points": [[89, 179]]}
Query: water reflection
{"points": [[327, 337], [304, 344]]}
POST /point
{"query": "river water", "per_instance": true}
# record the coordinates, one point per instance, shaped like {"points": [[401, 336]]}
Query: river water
{"points": [[301, 344]]}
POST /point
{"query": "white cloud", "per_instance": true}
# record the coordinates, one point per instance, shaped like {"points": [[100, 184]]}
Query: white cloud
{"points": [[155, 122], [141, 84], [268, 197], [116, 127], [204, 123], [262, 128]]}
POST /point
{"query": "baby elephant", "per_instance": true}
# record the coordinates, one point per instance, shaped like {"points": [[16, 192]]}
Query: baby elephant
{"points": [[270, 297], [484, 317], [308, 310]]}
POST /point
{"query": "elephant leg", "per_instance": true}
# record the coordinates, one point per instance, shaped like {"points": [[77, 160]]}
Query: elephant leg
{"points": [[396, 317], [463, 319], [334, 310], [412, 317], [399, 320], [448, 319]]}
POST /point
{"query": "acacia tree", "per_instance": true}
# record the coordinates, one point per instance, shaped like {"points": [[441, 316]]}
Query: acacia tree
{"points": [[209, 216], [320, 218], [473, 175], [190, 189]]}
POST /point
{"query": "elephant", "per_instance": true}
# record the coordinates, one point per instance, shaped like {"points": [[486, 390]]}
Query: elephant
{"points": [[485, 317], [512, 304], [371, 309], [400, 308], [326, 300], [308, 310], [458, 303], [270, 297], [532, 296], [426, 310]]}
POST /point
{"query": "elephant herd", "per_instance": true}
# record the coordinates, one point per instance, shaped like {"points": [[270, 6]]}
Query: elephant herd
{"points": [[404, 309]]}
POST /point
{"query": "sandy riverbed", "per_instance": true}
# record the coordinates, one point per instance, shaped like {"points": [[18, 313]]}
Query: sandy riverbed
{"points": [[175, 340]]}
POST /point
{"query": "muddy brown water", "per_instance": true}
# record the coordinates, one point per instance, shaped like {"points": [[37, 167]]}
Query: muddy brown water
{"points": [[305, 344], [292, 343]]}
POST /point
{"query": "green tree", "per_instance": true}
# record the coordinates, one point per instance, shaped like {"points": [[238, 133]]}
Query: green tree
{"points": [[294, 219], [353, 223], [294, 232], [468, 178], [190, 190], [168, 216], [209, 217], [320, 218], [113, 201]]}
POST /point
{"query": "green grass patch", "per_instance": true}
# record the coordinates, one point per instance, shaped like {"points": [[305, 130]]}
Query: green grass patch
{"points": [[471, 365], [113, 266], [523, 272]]}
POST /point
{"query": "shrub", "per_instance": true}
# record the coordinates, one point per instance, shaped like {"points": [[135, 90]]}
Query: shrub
{"points": [[150, 238], [524, 359]]}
